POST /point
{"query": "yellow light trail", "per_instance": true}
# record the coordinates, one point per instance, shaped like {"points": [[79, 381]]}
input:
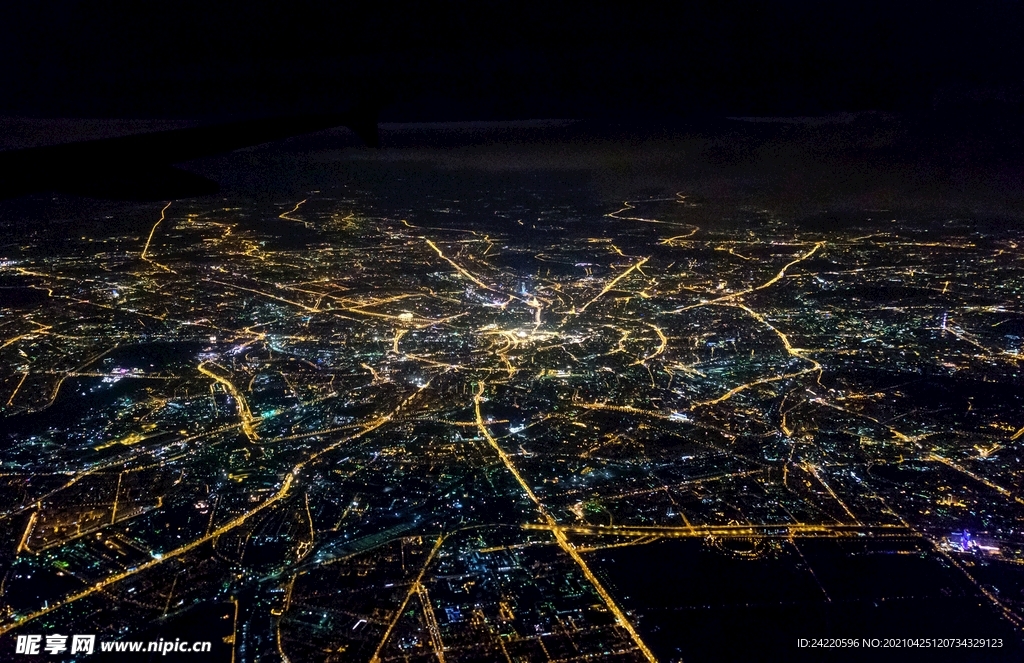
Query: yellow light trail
{"points": [[611, 284], [234, 631], [247, 420], [794, 352], [376, 376], [288, 593], [15, 339], [963, 470], [638, 541], [153, 230], [781, 531], [117, 577], [672, 417], [56, 390], [732, 251], [431, 362], [354, 304], [428, 613], [122, 376], [149, 239], [306, 547], [681, 484], [293, 210], [399, 333], [813, 469], [668, 240], [659, 350], [367, 427], [117, 496], [121, 460], [43, 329], [266, 294], [25, 375], [461, 270], [623, 335], [449, 422], [418, 322], [511, 341], [770, 282], [230, 525], [560, 537], [743, 387], [423, 322], [408, 595], [782, 272], [23, 543], [628, 206]]}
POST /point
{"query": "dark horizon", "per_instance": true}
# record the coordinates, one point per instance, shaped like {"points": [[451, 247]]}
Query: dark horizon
{"points": [[461, 61]]}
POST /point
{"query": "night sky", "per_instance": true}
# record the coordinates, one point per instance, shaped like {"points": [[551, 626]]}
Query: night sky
{"points": [[507, 60]]}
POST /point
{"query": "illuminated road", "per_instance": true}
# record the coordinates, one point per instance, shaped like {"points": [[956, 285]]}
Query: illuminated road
{"points": [[287, 216], [959, 468], [413, 589], [145, 249], [773, 531], [248, 422], [464, 272], [767, 284], [663, 343], [157, 559], [17, 387], [552, 525], [627, 206], [210, 536], [611, 284]]}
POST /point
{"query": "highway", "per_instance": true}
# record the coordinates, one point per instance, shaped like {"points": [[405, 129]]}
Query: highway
{"points": [[773, 531], [160, 558], [248, 422], [552, 525]]}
